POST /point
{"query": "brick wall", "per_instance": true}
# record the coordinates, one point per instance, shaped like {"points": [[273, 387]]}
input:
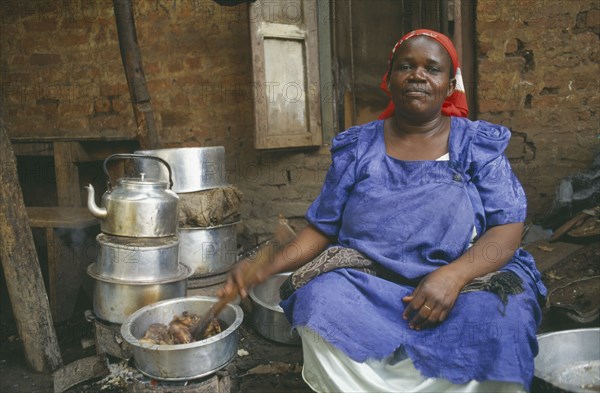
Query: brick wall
{"points": [[538, 70], [61, 74], [61, 71]]}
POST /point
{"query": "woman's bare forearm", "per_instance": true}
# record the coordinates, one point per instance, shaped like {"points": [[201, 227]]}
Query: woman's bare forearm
{"points": [[490, 253], [309, 243], [434, 297]]}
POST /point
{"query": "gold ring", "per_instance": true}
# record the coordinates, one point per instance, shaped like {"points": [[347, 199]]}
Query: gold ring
{"points": [[427, 307]]}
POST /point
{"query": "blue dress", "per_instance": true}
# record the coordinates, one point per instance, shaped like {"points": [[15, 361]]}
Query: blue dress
{"points": [[413, 217]]}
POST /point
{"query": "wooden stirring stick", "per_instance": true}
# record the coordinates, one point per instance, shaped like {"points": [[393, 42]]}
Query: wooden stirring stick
{"points": [[283, 234]]}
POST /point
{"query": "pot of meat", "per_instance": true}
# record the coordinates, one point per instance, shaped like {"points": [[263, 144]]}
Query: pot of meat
{"points": [[163, 348]]}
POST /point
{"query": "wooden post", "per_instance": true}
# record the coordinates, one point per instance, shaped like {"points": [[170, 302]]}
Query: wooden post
{"points": [[24, 281], [67, 174], [132, 63]]}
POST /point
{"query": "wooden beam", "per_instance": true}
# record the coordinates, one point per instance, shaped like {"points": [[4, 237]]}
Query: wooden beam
{"points": [[136, 80], [33, 149], [416, 20], [457, 39], [79, 371], [24, 281], [68, 136], [443, 6], [469, 53], [342, 47], [60, 217], [328, 102], [67, 173], [430, 15]]}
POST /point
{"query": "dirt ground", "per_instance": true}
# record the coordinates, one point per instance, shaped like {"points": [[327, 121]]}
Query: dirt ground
{"points": [[274, 367]]}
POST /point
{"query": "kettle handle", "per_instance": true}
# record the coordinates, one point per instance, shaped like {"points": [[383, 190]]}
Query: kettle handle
{"points": [[124, 156]]}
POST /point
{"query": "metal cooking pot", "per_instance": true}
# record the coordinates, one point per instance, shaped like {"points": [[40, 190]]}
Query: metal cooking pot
{"points": [[194, 168], [115, 300], [568, 361], [267, 315], [137, 259], [183, 361], [137, 207], [209, 250]]}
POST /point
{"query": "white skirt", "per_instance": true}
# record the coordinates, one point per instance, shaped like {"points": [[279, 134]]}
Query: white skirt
{"points": [[327, 369]]}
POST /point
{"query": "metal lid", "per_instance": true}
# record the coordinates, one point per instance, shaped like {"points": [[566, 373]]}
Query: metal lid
{"points": [[137, 243], [183, 273], [142, 181], [136, 182]]}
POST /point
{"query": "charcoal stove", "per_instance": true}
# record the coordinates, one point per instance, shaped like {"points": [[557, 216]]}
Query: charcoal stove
{"points": [[109, 341], [219, 382], [108, 338]]}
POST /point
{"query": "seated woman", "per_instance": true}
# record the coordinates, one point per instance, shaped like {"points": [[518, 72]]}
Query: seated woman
{"points": [[409, 276]]}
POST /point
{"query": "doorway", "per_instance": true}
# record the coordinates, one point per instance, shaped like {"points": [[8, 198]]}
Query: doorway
{"points": [[363, 33]]}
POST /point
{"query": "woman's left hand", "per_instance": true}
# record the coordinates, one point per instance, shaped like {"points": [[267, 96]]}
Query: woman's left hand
{"points": [[431, 301]]}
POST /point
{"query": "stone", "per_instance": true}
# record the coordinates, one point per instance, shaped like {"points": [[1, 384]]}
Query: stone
{"points": [[511, 46], [102, 106], [592, 18], [44, 59], [516, 147]]}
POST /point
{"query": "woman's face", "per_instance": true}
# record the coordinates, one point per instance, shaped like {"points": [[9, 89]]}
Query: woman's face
{"points": [[419, 79]]}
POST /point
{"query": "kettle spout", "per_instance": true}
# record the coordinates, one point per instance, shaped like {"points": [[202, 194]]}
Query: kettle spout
{"points": [[96, 211]]}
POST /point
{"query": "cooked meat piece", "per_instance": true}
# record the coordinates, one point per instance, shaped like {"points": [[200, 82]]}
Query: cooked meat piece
{"points": [[180, 333], [212, 328], [185, 318], [157, 333], [180, 327]]}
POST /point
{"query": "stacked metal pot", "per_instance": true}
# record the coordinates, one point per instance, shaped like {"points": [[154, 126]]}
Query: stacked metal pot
{"points": [[208, 210], [138, 258]]}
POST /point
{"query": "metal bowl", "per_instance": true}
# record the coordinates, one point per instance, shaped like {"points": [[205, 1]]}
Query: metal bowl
{"points": [[114, 300], [267, 315], [193, 168], [137, 259], [183, 361], [569, 360], [209, 250]]}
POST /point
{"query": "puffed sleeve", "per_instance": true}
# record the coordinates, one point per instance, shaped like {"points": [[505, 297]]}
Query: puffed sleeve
{"points": [[501, 192], [326, 211]]}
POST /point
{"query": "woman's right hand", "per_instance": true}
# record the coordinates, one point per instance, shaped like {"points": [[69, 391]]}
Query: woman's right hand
{"points": [[241, 278], [249, 272]]}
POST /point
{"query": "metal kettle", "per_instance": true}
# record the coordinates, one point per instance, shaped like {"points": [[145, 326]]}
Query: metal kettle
{"points": [[136, 207]]}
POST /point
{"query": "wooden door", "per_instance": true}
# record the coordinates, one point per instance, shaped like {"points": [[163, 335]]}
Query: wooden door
{"points": [[286, 73]]}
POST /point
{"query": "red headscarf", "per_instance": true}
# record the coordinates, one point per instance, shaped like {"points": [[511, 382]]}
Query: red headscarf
{"points": [[456, 103]]}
